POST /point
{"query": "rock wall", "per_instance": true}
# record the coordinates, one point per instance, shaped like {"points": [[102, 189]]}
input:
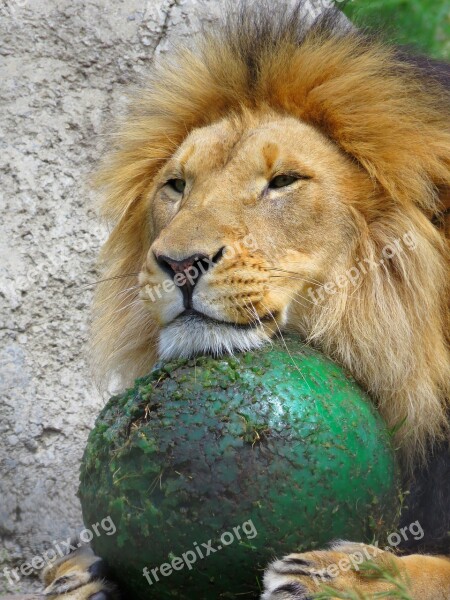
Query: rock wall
{"points": [[65, 67]]}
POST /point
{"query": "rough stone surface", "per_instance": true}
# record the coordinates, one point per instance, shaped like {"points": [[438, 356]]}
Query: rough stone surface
{"points": [[65, 67]]}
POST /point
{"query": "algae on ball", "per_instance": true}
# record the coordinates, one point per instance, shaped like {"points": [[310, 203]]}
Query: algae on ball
{"points": [[284, 440]]}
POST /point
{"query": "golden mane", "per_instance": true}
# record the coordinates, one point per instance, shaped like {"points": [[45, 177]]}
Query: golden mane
{"points": [[385, 112]]}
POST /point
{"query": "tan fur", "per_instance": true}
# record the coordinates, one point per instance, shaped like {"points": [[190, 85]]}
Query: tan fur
{"points": [[422, 577], [374, 138], [69, 577]]}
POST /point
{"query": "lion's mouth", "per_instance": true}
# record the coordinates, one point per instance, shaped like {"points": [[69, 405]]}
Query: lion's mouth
{"points": [[193, 314]]}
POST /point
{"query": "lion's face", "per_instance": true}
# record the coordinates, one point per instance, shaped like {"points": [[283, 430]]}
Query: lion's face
{"points": [[246, 216]]}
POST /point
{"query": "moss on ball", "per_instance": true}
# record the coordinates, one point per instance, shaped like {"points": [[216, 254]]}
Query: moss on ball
{"points": [[283, 441]]}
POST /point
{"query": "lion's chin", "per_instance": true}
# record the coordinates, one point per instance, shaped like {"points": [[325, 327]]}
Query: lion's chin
{"points": [[193, 335]]}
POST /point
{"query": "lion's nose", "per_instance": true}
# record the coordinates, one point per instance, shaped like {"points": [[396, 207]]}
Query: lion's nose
{"points": [[187, 271]]}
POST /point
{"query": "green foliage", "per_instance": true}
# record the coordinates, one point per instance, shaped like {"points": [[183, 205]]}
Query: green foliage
{"points": [[422, 24]]}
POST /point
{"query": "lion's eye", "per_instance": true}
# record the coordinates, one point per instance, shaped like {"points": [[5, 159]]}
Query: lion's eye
{"points": [[282, 181], [178, 185]]}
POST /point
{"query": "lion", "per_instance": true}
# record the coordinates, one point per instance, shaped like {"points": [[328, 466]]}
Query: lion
{"points": [[331, 150]]}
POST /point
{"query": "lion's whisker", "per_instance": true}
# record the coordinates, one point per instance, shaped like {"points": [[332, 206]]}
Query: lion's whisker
{"points": [[130, 305], [292, 296], [285, 345], [259, 320], [87, 285], [116, 295], [297, 275]]}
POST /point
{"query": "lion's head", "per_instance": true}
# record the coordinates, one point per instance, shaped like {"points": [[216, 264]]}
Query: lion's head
{"points": [[281, 178], [240, 214]]}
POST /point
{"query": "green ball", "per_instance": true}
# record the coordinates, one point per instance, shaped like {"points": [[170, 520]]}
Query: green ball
{"points": [[252, 456]]}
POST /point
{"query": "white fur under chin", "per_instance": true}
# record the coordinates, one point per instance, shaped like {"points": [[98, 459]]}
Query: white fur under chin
{"points": [[191, 336]]}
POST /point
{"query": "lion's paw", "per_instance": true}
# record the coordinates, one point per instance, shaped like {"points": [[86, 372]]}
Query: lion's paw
{"points": [[357, 570], [303, 576], [78, 576]]}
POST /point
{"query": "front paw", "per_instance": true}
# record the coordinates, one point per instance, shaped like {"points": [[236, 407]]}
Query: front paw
{"points": [[294, 577], [78, 576], [344, 568]]}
